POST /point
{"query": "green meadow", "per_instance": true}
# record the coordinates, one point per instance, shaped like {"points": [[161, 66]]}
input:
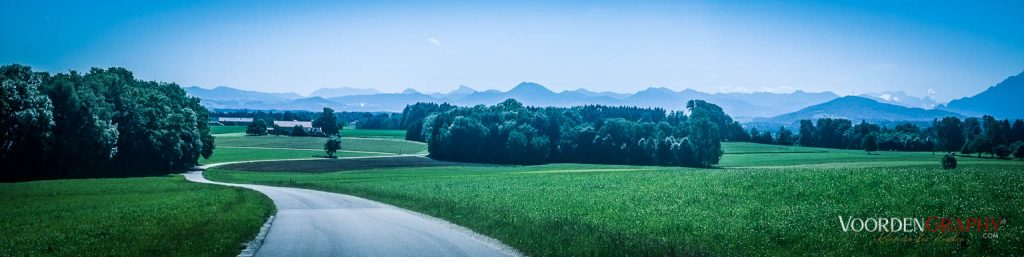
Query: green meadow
{"points": [[376, 145], [762, 200], [152, 216]]}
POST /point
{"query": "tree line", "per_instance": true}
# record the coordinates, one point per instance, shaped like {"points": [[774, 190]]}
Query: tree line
{"points": [[362, 120], [103, 123], [985, 135], [515, 134], [326, 120]]}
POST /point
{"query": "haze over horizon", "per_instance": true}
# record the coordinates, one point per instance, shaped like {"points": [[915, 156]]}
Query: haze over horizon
{"points": [[950, 49]]}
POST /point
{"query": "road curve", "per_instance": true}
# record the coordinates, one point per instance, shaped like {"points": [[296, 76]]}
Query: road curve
{"points": [[315, 223]]}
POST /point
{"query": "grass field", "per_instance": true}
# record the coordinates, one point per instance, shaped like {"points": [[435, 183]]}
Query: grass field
{"points": [[765, 200], [391, 146], [227, 129], [154, 216], [332, 165], [373, 133], [233, 154]]}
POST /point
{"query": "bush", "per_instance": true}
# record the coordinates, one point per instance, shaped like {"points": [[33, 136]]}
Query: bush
{"points": [[257, 128], [948, 161]]}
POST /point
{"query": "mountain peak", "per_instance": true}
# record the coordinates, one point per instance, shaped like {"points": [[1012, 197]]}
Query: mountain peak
{"points": [[1001, 100], [861, 108], [410, 91], [530, 88], [462, 90], [656, 90]]}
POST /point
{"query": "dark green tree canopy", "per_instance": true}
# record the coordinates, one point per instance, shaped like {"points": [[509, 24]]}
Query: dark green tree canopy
{"points": [[99, 124], [510, 132]]}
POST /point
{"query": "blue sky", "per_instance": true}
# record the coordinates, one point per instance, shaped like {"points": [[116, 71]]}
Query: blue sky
{"points": [[951, 49]]}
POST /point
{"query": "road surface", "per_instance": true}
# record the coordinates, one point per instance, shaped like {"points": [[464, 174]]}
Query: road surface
{"points": [[315, 223]]}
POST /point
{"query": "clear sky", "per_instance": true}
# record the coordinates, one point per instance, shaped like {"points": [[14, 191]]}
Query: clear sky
{"points": [[952, 49]]}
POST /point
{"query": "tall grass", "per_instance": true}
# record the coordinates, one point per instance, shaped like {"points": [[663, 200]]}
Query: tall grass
{"points": [[154, 216]]}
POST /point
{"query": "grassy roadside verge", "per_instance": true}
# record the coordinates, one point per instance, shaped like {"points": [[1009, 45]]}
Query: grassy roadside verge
{"points": [[152, 216]]}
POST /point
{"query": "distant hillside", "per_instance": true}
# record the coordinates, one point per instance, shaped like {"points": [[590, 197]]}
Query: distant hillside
{"points": [[902, 99], [343, 91], [228, 93], [1004, 100], [742, 106], [859, 108], [764, 104]]}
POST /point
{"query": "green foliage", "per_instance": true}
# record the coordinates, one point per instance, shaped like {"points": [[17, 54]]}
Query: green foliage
{"points": [[1002, 151], [948, 161], [870, 142], [153, 216], [784, 137], [100, 124], [332, 146], [26, 122], [388, 121], [327, 122], [512, 133], [1018, 149], [258, 127], [298, 131]]}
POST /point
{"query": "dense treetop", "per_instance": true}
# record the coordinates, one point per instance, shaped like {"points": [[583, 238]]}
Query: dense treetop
{"points": [[98, 124], [512, 133]]}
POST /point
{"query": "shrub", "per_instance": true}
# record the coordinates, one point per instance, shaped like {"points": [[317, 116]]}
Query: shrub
{"points": [[948, 161], [257, 128]]}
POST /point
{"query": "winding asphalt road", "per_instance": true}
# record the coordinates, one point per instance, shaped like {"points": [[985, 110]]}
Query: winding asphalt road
{"points": [[315, 223]]}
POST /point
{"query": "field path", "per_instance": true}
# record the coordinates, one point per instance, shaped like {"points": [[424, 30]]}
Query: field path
{"points": [[316, 223]]}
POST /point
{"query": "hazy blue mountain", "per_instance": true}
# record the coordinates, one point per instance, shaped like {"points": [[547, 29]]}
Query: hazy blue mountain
{"points": [[527, 92], [589, 93], [902, 98], [462, 90], [393, 102], [1004, 100], [767, 104], [343, 91], [232, 94], [859, 108], [783, 107], [741, 106]]}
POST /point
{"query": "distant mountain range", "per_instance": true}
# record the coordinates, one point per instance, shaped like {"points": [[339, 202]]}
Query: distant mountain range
{"points": [[902, 99], [859, 108], [739, 105], [1002, 101], [343, 91]]}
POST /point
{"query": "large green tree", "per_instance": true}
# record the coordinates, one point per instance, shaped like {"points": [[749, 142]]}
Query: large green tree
{"points": [[26, 122], [327, 122], [100, 124], [950, 134]]}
